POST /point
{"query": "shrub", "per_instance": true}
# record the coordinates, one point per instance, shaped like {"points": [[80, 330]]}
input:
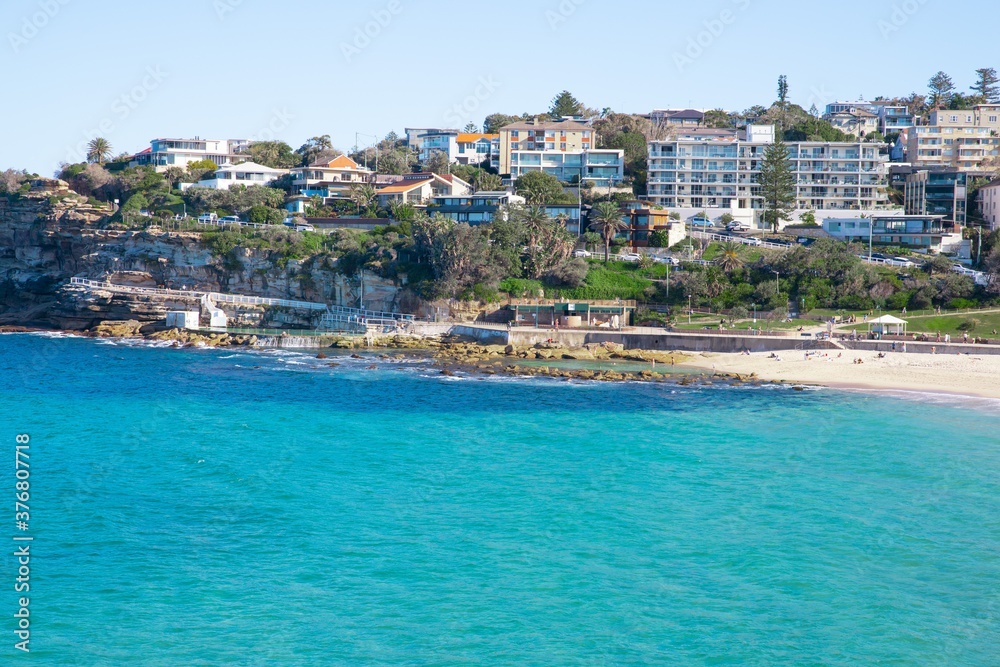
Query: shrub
{"points": [[969, 324], [521, 287]]}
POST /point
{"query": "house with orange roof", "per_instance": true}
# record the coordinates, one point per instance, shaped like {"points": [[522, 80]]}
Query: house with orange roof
{"points": [[331, 179], [419, 189], [476, 147]]}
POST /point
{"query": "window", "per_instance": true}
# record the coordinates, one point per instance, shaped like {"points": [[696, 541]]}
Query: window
{"points": [[954, 119], [993, 119], [562, 145]]}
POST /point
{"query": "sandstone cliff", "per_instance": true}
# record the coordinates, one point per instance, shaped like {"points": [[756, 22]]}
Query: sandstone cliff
{"points": [[52, 234]]}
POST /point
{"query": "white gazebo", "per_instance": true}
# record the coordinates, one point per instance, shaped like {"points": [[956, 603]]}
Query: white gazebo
{"points": [[887, 324]]}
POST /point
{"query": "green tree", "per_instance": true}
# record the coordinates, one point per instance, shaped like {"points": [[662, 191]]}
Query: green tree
{"points": [[730, 256], [471, 128], [783, 90], [659, 238], [776, 183], [495, 121], [607, 219], [274, 154], [317, 149], [808, 218], [538, 187], [98, 150], [438, 163], [941, 88], [362, 194], [564, 104], [718, 118], [987, 85]]}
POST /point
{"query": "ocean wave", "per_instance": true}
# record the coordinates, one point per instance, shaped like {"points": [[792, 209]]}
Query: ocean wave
{"points": [[943, 399]]}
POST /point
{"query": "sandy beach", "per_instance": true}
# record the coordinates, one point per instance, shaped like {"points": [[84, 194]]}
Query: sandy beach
{"points": [[969, 375]]}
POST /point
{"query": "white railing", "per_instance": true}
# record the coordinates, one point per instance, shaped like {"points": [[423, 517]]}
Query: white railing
{"points": [[348, 314], [745, 240]]}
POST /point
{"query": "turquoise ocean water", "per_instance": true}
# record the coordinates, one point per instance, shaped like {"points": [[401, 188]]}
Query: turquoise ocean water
{"points": [[197, 507]]}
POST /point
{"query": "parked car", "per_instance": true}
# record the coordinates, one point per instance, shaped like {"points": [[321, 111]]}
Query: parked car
{"points": [[304, 227], [738, 226], [805, 240], [905, 261], [672, 261], [629, 257], [230, 219], [582, 253], [208, 217], [781, 242], [751, 240], [701, 221]]}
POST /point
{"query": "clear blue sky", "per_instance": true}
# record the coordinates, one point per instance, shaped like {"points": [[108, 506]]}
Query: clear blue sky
{"points": [[132, 71]]}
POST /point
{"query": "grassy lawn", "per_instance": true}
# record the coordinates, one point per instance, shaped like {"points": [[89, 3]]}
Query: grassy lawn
{"points": [[949, 323]]}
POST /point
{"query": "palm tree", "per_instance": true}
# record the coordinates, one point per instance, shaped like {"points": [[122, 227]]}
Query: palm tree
{"points": [[98, 150], [730, 256], [607, 219], [486, 181], [362, 194]]}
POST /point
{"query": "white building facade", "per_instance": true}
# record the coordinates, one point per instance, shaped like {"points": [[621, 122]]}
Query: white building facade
{"points": [[716, 171], [165, 153], [245, 173]]}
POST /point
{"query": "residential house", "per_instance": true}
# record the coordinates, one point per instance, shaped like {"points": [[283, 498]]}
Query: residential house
{"points": [[858, 122], [244, 173], [431, 141], [475, 209], [483, 207], [475, 148], [715, 170], [893, 118], [680, 117], [989, 203], [330, 180], [421, 188], [643, 219], [921, 232], [165, 153], [562, 148], [936, 190]]}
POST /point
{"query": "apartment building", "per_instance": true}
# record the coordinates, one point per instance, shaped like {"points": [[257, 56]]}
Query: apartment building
{"points": [[716, 171], [960, 138], [565, 149], [939, 191], [989, 203], [165, 153]]}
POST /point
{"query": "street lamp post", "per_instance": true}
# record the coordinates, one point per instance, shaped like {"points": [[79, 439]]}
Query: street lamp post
{"points": [[777, 286], [754, 306], [689, 309]]}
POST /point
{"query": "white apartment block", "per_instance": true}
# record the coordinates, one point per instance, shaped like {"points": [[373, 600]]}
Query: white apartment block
{"points": [[716, 171], [165, 153]]}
